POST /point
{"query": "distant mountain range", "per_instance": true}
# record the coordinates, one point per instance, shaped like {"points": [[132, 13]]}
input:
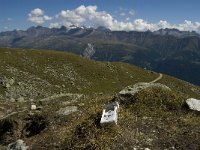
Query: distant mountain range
{"points": [[169, 51]]}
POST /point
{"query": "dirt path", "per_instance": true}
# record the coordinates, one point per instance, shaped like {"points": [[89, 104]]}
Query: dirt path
{"points": [[158, 78]]}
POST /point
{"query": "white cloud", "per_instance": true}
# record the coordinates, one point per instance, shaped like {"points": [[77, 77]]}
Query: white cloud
{"points": [[9, 19], [37, 16], [85, 15], [90, 16], [122, 14], [71, 16], [127, 19], [54, 25], [131, 12], [125, 12]]}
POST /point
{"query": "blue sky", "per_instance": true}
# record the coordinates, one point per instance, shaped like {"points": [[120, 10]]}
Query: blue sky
{"points": [[115, 14]]}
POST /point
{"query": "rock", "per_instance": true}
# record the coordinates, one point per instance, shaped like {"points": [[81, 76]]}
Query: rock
{"points": [[7, 85], [72, 83], [18, 145], [33, 107], [193, 104], [67, 110], [39, 108], [140, 86], [126, 95], [81, 104], [89, 51], [11, 81], [12, 99], [20, 99], [19, 83]]}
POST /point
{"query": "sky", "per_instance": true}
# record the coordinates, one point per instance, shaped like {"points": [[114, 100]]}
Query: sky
{"points": [[139, 15]]}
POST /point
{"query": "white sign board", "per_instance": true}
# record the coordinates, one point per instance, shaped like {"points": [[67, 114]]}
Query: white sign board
{"points": [[109, 114]]}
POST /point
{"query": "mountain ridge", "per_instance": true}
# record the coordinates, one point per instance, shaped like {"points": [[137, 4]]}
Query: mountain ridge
{"points": [[168, 51]]}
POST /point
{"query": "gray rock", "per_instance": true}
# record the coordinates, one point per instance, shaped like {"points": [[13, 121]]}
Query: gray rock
{"points": [[140, 86], [12, 99], [11, 81], [39, 108], [20, 99], [89, 51], [67, 110], [193, 104], [18, 145], [33, 107], [19, 83], [7, 85]]}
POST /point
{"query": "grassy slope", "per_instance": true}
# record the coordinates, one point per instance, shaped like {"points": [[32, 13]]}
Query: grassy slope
{"points": [[90, 76], [154, 119]]}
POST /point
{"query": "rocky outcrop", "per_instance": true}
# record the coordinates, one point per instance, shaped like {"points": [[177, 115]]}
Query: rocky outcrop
{"points": [[89, 51], [126, 95], [6, 82], [140, 86]]}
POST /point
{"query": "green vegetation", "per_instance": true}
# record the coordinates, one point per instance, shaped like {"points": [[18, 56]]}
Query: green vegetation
{"points": [[155, 102], [68, 70]]}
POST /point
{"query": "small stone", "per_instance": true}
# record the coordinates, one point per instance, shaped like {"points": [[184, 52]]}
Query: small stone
{"points": [[72, 83], [81, 104], [39, 108], [20, 99], [19, 83], [11, 81], [7, 85], [12, 99], [33, 107]]}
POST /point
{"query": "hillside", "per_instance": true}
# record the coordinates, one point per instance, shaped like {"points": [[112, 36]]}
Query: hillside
{"points": [[170, 51], [57, 82]]}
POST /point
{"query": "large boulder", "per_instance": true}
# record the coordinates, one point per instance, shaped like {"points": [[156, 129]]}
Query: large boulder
{"points": [[126, 95], [193, 104], [140, 86], [18, 145]]}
